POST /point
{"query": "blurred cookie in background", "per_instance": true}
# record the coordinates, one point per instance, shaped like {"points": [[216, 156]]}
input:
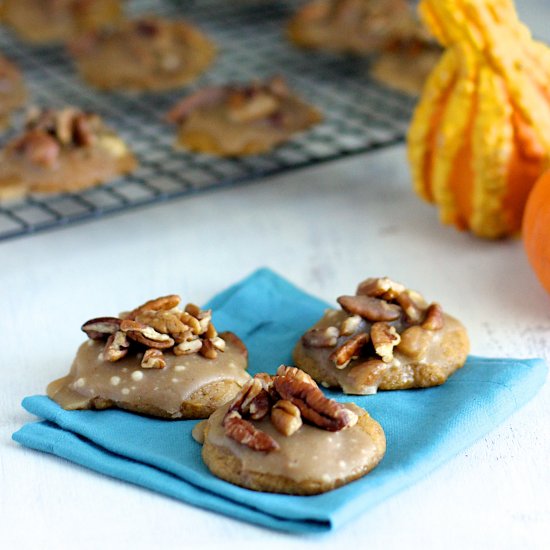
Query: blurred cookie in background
{"points": [[144, 54], [44, 21]]}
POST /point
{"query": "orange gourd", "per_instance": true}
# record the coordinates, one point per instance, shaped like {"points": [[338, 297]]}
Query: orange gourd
{"points": [[536, 229], [480, 135]]}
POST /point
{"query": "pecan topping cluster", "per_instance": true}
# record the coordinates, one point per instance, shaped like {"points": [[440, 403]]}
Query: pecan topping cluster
{"points": [[48, 131], [156, 327], [290, 398], [382, 315], [258, 101]]}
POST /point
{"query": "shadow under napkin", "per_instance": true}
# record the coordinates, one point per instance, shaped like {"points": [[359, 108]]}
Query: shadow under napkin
{"points": [[424, 428]]}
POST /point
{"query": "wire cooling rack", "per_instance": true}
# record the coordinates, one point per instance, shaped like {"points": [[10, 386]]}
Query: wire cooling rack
{"points": [[360, 115]]}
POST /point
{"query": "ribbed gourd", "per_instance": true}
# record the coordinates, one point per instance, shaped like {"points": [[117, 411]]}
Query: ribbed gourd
{"points": [[480, 135]]}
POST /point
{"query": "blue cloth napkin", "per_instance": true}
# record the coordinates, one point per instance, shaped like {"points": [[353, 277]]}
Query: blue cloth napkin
{"points": [[424, 428]]}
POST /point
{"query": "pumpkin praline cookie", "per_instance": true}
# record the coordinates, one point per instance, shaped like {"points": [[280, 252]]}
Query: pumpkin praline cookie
{"points": [[144, 54], [64, 150], [42, 21], [281, 434], [359, 27], [157, 360], [12, 90], [386, 337], [235, 120]]}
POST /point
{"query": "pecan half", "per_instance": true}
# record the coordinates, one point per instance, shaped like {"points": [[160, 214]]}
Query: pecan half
{"points": [[244, 432], [116, 347], [146, 335], [321, 337], [163, 303], [299, 374], [167, 322], [101, 327], [434, 319], [384, 338], [286, 417], [314, 406], [349, 350], [233, 340], [153, 359], [380, 288], [410, 307], [372, 309]]}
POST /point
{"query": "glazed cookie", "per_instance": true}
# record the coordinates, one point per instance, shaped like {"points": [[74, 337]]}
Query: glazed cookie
{"points": [[145, 54], [65, 150], [358, 27], [42, 21], [157, 360], [282, 435], [12, 90], [236, 120], [385, 337]]}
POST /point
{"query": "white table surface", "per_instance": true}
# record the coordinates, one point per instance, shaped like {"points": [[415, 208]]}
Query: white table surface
{"points": [[324, 229]]}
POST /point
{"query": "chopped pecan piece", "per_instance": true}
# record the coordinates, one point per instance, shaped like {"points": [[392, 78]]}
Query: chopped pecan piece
{"points": [[116, 347], [153, 359], [166, 322], [253, 400], [410, 307], [146, 335], [414, 342], [192, 322], [101, 327], [314, 406], [372, 309], [82, 133], [368, 374], [349, 350], [188, 347], [384, 338], [234, 340], [434, 319], [350, 325], [39, 148], [208, 350], [245, 433], [321, 337], [380, 288], [286, 417]]}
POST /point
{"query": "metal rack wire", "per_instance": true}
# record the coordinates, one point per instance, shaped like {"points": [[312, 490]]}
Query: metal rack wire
{"points": [[360, 115]]}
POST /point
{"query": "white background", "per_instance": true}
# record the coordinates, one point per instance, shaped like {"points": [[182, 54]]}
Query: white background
{"points": [[324, 229]]}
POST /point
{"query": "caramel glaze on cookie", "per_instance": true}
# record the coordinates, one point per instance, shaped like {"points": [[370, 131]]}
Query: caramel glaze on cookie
{"points": [[42, 21], [281, 434], [145, 54], [12, 90], [385, 337], [157, 360], [236, 120], [64, 150]]}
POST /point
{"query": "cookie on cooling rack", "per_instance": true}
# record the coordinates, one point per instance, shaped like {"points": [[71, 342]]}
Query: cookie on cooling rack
{"points": [[386, 337], [42, 21], [234, 120], [64, 150], [12, 90], [144, 54], [158, 360], [282, 435]]}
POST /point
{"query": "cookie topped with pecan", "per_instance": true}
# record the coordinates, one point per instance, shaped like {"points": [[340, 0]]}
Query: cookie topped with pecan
{"points": [[281, 434], [62, 150], [386, 337], [158, 359], [43, 21], [241, 119], [144, 54]]}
